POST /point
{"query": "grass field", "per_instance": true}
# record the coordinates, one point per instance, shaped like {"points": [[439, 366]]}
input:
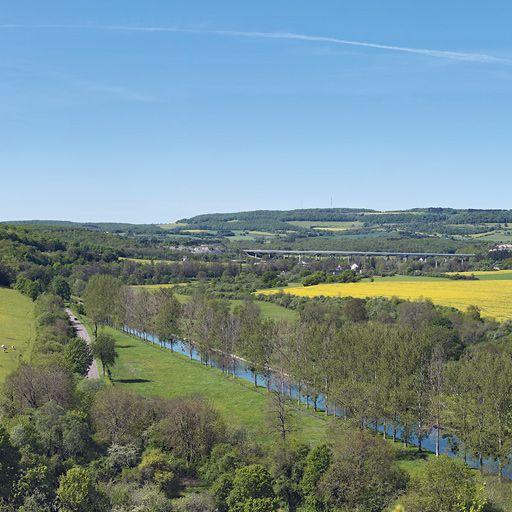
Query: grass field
{"points": [[491, 275], [268, 309], [150, 370], [144, 260], [172, 225], [492, 295], [158, 286], [326, 225], [16, 328]]}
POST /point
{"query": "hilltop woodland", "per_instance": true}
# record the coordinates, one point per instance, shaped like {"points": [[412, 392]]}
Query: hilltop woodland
{"points": [[379, 370]]}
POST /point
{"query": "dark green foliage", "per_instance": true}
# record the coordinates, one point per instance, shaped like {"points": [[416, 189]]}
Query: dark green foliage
{"points": [[59, 286], [103, 348], [9, 465], [317, 464], [78, 356], [288, 470]]}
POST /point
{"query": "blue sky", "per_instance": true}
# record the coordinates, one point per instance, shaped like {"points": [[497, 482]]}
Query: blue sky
{"points": [[156, 110]]}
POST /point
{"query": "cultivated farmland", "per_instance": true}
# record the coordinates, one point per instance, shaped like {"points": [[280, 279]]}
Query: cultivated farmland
{"points": [[492, 292]]}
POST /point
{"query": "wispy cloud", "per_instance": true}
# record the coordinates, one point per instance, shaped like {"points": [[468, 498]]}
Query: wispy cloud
{"points": [[427, 52], [68, 85], [115, 91]]}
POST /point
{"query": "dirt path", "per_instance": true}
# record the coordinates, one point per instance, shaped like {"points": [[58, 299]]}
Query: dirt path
{"points": [[81, 332]]}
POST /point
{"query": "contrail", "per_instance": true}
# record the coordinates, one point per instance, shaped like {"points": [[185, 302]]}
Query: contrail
{"points": [[443, 54]]}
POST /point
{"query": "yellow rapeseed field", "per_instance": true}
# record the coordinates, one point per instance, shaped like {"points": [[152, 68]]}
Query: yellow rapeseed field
{"points": [[493, 297]]}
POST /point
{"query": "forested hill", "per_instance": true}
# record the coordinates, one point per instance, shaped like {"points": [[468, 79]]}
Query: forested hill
{"points": [[111, 227], [415, 230], [281, 219]]}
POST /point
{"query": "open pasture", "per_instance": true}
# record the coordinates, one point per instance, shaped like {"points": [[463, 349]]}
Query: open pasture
{"points": [[150, 370], [491, 275], [145, 261], [16, 328], [492, 296], [327, 225]]}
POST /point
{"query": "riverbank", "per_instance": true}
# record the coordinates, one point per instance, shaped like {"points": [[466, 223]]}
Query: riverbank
{"points": [[146, 368]]}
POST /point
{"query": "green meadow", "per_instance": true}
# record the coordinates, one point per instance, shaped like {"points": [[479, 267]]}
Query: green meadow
{"points": [[150, 370], [17, 328]]}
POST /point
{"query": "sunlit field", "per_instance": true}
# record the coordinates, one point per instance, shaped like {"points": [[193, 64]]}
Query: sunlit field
{"points": [[16, 328], [492, 293], [491, 275], [158, 286]]}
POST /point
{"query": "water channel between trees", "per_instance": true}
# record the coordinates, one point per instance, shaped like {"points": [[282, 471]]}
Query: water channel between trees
{"points": [[275, 382]]}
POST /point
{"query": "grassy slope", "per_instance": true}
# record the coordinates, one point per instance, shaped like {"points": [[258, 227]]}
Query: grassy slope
{"points": [[16, 328]]}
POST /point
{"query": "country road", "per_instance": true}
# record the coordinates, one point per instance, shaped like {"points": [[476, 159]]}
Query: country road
{"points": [[81, 331]]}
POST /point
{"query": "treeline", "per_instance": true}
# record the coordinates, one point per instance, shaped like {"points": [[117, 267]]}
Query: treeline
{"points": [[275, 219], [404, 368], [56, 339], [37, 259], [72, 444], [78, 445], [392, 242]]}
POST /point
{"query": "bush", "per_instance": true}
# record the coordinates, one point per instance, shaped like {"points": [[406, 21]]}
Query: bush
{"points": [[446, 485]]}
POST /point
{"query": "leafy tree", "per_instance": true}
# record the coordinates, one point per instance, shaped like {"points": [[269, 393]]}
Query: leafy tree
{"points": [[104, 349], [252, 490], [194, 503], [77, 491], [35, 486], [220, 490], [363, 474], [355, 310], [317, 463], [445, 485], [9, 464], [122, 456], [224, 458], [78, 356], [60, 287], [287, 471], [166, 320], [102, 299], [160, 469], [76, 437]]}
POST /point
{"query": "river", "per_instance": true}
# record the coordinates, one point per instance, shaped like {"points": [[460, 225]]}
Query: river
{"points": [[243, 371]]}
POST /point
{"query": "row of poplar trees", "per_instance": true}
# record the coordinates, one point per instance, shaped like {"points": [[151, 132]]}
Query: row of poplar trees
{"points": [[405, 380]]}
